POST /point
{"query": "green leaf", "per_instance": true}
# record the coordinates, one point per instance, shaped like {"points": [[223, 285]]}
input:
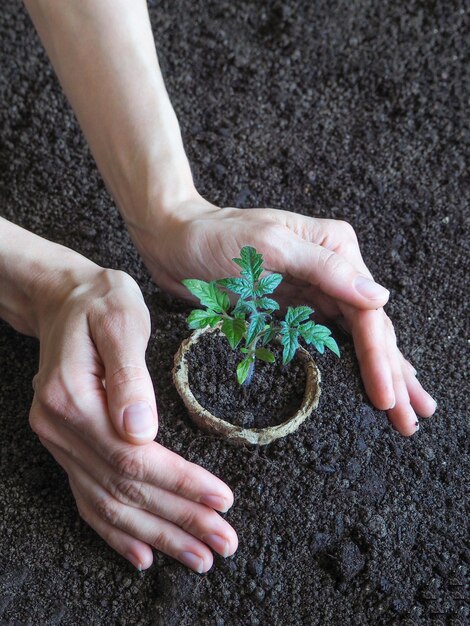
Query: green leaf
{"points": [[290, 342], [257, 323], [250, 263], [243, 369], [332, 345], [208, 294], [319, 336], [319, 345], [311, 331], [198, 288], [265, 355], [296, 315], [201, 319], [321, 331], [222, 300], [268, 335], [266, 303], [234, 329], [241, 286], [268, 284], [244, 306]]}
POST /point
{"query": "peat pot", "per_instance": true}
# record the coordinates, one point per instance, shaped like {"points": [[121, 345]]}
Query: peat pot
{"points": [[237, 434]]}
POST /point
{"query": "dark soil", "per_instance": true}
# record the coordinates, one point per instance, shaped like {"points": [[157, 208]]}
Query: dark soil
{"points": [[274, 395], [353, 110]]}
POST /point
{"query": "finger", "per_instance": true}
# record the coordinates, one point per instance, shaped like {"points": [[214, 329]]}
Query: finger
{"points": [[423, 403], [158, 466], [151, 463], [402, 415], [198, 519], [336, 235], [371, 348], [121, 338], [331, 273], [135, 551], [150, 529]]}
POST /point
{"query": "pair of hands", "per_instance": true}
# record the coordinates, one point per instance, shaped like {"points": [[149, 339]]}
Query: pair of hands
{"points": [[94, 405]]}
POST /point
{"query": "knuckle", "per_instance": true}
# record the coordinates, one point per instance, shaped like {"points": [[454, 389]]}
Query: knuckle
{"points": [[131, 491], [161, 541], [35, 419], [183, 482], [187, 517], [51, 395], [39, 424], [348, 230], [126, 375], [129, 464], [119, 320], [370, 353], [106, 508], [115, 321], [59, 396], [124, 280], [121, 284], [331, 264], [35, 381]]}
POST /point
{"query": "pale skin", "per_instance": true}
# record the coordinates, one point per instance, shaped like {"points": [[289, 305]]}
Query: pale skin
{"points": [[94, 406]]}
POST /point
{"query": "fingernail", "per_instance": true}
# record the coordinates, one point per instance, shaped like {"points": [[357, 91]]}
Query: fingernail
{"points": [[393, 402], [370, 289], [218, 543], [134, 560], [417, 426], [216, 502], [139, 420], [192, 561]]}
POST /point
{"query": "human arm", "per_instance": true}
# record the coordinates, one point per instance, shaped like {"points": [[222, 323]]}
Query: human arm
{"points": [[111, 76], [93, 326]]}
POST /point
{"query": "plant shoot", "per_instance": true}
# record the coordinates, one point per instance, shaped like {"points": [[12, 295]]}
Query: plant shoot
{"points": [[249, 324]]}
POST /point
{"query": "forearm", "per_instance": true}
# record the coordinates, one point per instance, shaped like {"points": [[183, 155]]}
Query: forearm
{"points": [[104, 55], [32, 269]]}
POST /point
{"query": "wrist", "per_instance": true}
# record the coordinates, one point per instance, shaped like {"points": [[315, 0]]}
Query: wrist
{"points": [[31, 270], [162, 216], [153, 195], [54, 280], [165, 230]]}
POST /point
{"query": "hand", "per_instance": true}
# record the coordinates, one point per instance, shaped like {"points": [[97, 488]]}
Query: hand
{"points": [[94, 410], [322, 267]]}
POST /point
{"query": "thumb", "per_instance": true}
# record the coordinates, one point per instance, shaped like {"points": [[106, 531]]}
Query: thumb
{"points": [[121, 344], [332, 273]]}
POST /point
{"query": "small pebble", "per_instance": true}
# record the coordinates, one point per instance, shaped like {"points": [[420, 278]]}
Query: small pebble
{"points": [[377, 525], [429, 454], [259, 594]]}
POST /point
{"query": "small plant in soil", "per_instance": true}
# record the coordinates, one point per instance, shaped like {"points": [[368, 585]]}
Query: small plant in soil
{"points": [[249, 324]]}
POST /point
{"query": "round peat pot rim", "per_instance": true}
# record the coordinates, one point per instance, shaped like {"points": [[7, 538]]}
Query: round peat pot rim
{"points": [[258, 436]]}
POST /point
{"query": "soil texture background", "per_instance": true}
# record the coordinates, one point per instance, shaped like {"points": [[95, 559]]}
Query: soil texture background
{"points": [[356, 110]]}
